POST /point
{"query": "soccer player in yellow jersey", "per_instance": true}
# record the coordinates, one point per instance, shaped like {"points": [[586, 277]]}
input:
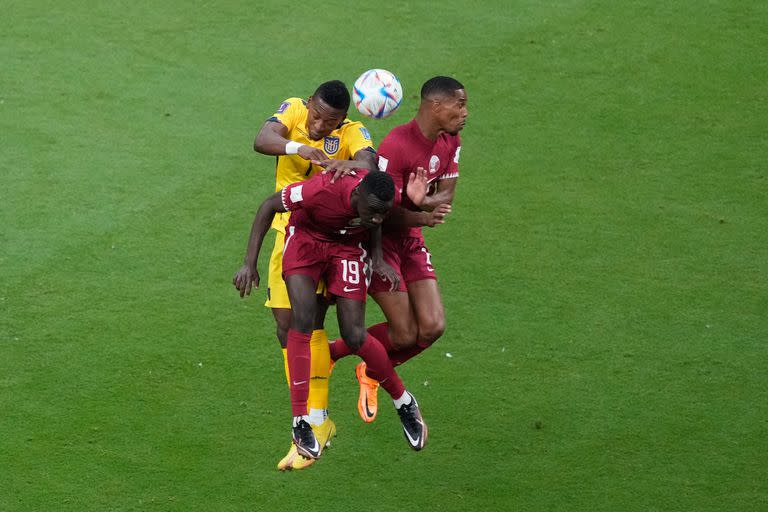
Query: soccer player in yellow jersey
{"points": [[307, 137]]}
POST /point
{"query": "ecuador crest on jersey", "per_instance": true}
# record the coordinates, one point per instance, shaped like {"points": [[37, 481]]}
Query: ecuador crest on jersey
{"points": [[331, 145]]}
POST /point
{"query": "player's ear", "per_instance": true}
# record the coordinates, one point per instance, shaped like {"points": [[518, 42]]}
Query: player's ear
{"points": [[343, 117]]}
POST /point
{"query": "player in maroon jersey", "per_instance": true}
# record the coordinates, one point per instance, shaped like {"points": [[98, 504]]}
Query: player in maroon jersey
{"points": [[429, 145], [327, 237]]}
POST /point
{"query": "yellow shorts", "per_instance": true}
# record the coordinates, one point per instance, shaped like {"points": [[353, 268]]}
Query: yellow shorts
{"points": [[277, 293]]}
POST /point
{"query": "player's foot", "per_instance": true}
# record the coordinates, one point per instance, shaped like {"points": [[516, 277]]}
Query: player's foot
{"points": [[294, 461], [305, 440], [325, 432], [368, 403], [413, 424]]}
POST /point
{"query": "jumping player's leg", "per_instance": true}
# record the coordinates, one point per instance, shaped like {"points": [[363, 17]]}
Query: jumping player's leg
{"points": [[415, 314], [428, 310], [400, 330], [321, 359], [415, 320], [303, 263], [317, 402], [301, 290], [344, 278], [355, 339], [279, 302], [398, 333]]}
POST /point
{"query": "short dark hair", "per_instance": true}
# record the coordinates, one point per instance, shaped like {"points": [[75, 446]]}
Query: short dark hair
{"points": [[335, 94], [440, 85], [380, 184]]}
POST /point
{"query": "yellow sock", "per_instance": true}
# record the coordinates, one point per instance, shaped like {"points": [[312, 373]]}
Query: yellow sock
{"points": [[320, 370], [287, 372]]}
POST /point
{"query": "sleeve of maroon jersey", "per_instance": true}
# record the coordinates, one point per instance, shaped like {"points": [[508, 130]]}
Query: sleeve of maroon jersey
{"points": [[301, 194], [453, 166], [392, 162]]}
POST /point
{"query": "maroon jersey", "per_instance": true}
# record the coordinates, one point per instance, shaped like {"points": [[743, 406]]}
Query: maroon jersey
{"points": [[405, 148], [323, 208]]}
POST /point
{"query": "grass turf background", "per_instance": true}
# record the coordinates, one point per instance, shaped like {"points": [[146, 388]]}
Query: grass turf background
{"points": [[604, 270]]}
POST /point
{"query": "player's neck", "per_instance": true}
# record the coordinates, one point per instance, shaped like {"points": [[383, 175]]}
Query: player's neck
{"points": [[428, 128]]}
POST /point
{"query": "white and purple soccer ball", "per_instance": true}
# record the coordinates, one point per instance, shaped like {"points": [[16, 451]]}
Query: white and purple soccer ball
{"points": [[377, 93]]}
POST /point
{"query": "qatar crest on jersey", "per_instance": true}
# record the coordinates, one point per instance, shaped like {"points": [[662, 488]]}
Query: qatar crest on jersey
{"points": [[331, 145], [434, 163]]}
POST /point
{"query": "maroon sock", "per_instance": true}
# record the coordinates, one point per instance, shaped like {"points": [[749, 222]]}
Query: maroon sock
{"points": [[398, 357], [381, 333], [339, 349], [379, 367], [299, 359]]}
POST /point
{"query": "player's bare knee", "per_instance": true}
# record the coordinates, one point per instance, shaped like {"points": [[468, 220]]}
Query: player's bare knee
{"points": [[403, 337], [302, 322], [282, 335], [353, 337], [431, 331]]}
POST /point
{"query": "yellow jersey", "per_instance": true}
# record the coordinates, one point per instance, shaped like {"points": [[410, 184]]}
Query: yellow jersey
{"points": [[341, 144]]}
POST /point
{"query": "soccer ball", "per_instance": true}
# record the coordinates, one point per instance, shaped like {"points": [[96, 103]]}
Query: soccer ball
{"points": [[377, 93]]}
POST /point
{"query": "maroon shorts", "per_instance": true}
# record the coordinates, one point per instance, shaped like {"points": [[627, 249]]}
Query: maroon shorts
{"points": [[343, 267], [409, 257]]}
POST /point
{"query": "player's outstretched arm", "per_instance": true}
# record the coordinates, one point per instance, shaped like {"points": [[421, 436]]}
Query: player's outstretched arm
{"points": [[272, 139], [363, 159], [248, 276], [401, 217]]}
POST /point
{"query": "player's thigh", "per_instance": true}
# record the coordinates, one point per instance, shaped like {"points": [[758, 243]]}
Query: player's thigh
{"points": [[303, 263], [428, 308], [322, 308], [397, 309]]}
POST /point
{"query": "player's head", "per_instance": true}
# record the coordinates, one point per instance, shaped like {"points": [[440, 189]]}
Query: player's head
{"points": [[376, 194], [446, 101], [327, 109]]}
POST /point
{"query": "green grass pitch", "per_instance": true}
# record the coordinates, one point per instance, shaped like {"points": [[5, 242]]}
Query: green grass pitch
{"points": [[605, 270]]}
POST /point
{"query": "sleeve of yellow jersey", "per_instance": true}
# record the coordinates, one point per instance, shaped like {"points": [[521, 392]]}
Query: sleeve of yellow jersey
{"points": [[356, 137], [289, 113]]}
